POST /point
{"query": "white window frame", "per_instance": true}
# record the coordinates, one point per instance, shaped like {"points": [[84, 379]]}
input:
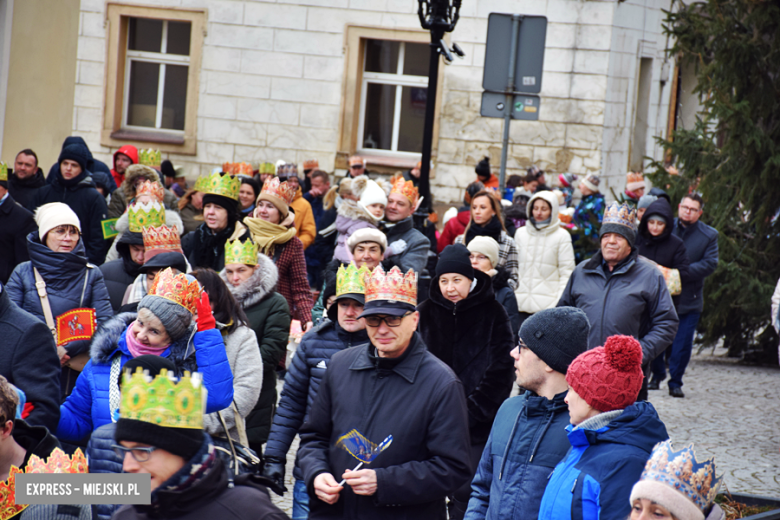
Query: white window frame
{"points": [[399, 80], [162, 59]]}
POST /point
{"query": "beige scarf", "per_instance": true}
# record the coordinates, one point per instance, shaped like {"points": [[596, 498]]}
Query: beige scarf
{"points": [[267, 235]]}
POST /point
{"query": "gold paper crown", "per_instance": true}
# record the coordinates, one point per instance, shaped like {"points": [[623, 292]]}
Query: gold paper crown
{"points": [[57, 462], [238, 168], [3, 171], [200, 183], [220, 184], [144, 215], [238, 252], [176, 288], [267, 168], [622, 214], [393, 286], [407, 189], [351, 280], [162, 239], [150, 157], [280, 190], [635, 177], [152, 188], [162, 401]]}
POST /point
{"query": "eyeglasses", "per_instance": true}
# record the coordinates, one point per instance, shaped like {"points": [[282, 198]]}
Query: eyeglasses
{"points": [[390, 321], [688, 209], [473, 257], [63, 231], [357, 166], [139, 454]]}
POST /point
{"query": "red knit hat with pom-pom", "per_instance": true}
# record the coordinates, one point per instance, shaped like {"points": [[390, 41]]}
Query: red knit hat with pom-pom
{"points": [[609, 377]]}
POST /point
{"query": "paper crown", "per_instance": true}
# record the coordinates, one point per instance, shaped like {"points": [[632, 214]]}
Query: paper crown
{"points": [[176, 288], [150, 157], [57, 462], [238, 252], [152, 188], [680, 470], [392, 286], [3, 171], [219, 184], [267, 168], [279, 189], [351, 280], [238, 168], [163, 401], [287, 169], [621, 214], [311, 164], [144, 215], [635, 177], [162, 239], [407, 189]]}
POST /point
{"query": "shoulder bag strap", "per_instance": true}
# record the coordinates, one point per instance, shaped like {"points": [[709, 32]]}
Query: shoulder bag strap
{"points": [[240, 426], [41, 286], [84, 288]]}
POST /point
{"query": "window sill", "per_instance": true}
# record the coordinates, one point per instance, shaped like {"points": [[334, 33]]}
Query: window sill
{"points": [[178, 144], [379, 163], [152, 137]]}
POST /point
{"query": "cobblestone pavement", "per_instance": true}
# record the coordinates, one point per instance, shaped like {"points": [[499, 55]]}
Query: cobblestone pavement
{"points": [[730, 411]]}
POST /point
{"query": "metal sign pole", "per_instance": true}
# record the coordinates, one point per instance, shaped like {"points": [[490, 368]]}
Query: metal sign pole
{"points": [[510, 88]]}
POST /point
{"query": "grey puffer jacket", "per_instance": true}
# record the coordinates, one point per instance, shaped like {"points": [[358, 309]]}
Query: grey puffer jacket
{"points": [[415, 256], [633, 301]]}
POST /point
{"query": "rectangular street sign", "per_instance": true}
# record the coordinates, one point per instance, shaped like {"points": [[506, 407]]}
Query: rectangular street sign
{"points": [[524, 106], [529, 55]]}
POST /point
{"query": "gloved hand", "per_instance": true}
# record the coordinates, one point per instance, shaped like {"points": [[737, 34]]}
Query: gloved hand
{"points": [[273, 469], [395, 248], [206, 320], [27, 410]]}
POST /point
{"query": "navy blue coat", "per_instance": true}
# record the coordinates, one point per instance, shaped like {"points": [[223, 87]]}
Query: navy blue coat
{"points": [[15, 224], [594, 481], [302, 382], [505, 295], [701, 244], [527, 441], [28, 359], [64, 276], [102, 459]]}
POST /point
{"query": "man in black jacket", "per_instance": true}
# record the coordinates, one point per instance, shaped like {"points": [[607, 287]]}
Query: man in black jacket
{"points": [[392, 387], [26, 177], [15, 224]]}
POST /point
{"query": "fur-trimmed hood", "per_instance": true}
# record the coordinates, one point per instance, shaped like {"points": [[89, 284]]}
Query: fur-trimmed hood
{"points": [[134, 172], [258, 287], [171, 219], [354, 211]]}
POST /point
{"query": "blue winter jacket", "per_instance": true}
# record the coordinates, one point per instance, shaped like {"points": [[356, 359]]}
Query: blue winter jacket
{"points": [[102, 459], [701, 244], [302, 382], [594, 481], [88, 408], [527, 441], [64, 275]]}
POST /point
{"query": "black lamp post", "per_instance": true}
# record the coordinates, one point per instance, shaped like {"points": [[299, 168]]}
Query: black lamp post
{"points": [[438, 16]]}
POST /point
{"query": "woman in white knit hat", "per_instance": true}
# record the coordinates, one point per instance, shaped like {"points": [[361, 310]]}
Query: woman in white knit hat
{"points": [[58, 256], [484, 257]]}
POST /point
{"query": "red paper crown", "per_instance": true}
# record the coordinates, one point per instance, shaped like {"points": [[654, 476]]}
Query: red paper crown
{"points": [[393, 285], [176, 288], [280, 190], [152, 188], [238, 168], [407, 189], [161, 239]]}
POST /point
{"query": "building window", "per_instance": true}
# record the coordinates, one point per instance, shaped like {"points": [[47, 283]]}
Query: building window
{"points": [[393, 95]]}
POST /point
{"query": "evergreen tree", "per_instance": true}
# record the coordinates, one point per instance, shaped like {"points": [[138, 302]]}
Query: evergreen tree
{"points": [[732, 156]]}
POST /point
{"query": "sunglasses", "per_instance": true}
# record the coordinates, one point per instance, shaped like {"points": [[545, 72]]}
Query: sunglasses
{"points": [[357, 167], [390, 321]]}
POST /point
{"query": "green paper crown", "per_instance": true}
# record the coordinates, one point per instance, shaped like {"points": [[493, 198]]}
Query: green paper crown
{"points": [[267, 168], [351, 280], [3, 171], [220, 184], [238, 252], [150, 157], [162, 401], [144, 215]]}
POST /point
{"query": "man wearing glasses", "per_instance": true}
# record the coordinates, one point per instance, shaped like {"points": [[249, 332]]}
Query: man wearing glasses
{"points": [[701, 244], [357, 166], [393, 386]]}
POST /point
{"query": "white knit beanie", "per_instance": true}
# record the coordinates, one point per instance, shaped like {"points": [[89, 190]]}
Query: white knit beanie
{"points": [[485, 246], [54, 214], [373, 194]]}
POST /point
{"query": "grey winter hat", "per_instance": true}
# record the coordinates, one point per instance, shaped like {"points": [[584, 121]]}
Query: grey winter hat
{"points": [[556, 336], [175, 318], [645, 201]]}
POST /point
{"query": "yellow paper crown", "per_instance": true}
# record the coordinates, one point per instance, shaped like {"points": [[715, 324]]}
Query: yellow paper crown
{"points": [[267, 168], [238, 252], [144, 215], [3, 171], [176, 288], [351, 280], [392, 286], [407, 189], [150, 157], [162, 239], [200, 183], [220, 184], [162, 401], [152, 188], [280, 190]]}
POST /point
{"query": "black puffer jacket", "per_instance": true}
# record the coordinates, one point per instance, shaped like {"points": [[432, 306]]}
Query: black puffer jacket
{"points": [[100, 172], [302, 382], [23, 189], [474, 338], [15, 224], [506, 297]]}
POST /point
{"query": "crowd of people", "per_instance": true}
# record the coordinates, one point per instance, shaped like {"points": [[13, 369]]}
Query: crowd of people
{"points": [[117, 281]]}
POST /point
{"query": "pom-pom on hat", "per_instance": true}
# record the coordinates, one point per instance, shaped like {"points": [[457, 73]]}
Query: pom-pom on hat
{"points": [[609, 377], [592, 181], [483, 167]]}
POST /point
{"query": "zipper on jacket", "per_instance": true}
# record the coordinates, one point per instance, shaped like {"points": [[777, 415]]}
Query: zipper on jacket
{"points": [[575, 485], [508, 443]]}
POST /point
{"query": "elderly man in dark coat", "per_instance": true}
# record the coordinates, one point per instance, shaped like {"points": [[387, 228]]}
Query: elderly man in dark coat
{"points": [[393, 386], [15, 224]]}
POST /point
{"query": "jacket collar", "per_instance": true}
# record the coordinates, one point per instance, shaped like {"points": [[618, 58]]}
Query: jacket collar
{"points": [[408, 368], [483, 292], [7, 204], [398, 228], [593, 266]]}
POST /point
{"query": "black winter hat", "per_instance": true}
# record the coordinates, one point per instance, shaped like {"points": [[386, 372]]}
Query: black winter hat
{"points": [[166, 168], [184, 442], [483, 167], [556, 336], [455, 259], [229, 204], [75, 152]]}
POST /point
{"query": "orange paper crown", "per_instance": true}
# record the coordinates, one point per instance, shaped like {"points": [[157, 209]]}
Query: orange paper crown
{"points": [[176, 288], [392, 286], [311, 164], [152, 188], [280, 190], [407, 189], [161, 239], [238, 168]]}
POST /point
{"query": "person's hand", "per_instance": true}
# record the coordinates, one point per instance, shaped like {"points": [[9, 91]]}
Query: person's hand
{"points": [[362, 482], [307, 326], [326, 488], [63, 355], [206, 320], [395, 248], [273, 469]]}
